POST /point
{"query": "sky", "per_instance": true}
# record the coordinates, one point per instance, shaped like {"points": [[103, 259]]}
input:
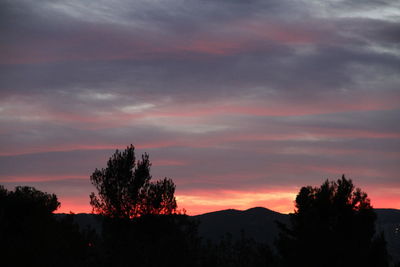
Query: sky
{"points": [[239, 102]]}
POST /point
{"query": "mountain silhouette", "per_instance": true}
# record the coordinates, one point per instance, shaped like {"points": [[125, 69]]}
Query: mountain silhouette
{"points": [[258, 223]]}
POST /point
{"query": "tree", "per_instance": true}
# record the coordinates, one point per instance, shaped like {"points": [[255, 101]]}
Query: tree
{"points": [[133, 231], [30, 235], [125, 191], [29, 201], [333, 225], [242, 252]]}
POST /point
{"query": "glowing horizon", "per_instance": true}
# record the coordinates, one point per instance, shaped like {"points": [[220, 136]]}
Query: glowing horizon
{"points": [[239, 102], [282, 202]]}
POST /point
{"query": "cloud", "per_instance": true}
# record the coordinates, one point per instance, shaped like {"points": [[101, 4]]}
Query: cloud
{"points": [[224, 95]]}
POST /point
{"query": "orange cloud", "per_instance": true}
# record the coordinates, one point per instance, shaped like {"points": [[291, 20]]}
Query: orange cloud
{"points": [[201, 201], [198, 202]]}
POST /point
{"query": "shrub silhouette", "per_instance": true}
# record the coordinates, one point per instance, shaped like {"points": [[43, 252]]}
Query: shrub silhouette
{"points": [[31, 236], [333, 225], [151, 241], [243, 252], [125, 191]]}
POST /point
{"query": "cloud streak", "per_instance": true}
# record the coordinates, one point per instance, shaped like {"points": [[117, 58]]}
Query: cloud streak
{"points": [[230, 98]]}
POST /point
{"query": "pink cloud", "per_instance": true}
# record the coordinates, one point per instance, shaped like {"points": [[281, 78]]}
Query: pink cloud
{"points": [[168, 162], [281, 133], [89, 43], [279, 32], [41, 178], [78, 146]]}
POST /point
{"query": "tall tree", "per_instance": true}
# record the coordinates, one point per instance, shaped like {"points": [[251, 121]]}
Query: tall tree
{"points": [[333, 225], [125, 191]]}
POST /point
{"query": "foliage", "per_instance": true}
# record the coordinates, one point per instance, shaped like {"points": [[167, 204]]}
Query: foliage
{"points": [[31, 236], [125, 191], [150, 240], [243, 252], [333, 225], [29, 201]]}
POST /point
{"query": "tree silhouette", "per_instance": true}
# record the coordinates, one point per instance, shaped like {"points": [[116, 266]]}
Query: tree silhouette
{"points": [[31, 236], [333, 225], [243, 252], [151, 241], [140, 225], [125, 191]]}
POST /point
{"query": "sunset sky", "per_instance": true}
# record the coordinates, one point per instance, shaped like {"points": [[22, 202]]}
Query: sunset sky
{"points": [[239, 102]]}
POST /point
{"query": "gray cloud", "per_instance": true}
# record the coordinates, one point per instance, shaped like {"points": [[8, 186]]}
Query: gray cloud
{"points": [[225, 94]]}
